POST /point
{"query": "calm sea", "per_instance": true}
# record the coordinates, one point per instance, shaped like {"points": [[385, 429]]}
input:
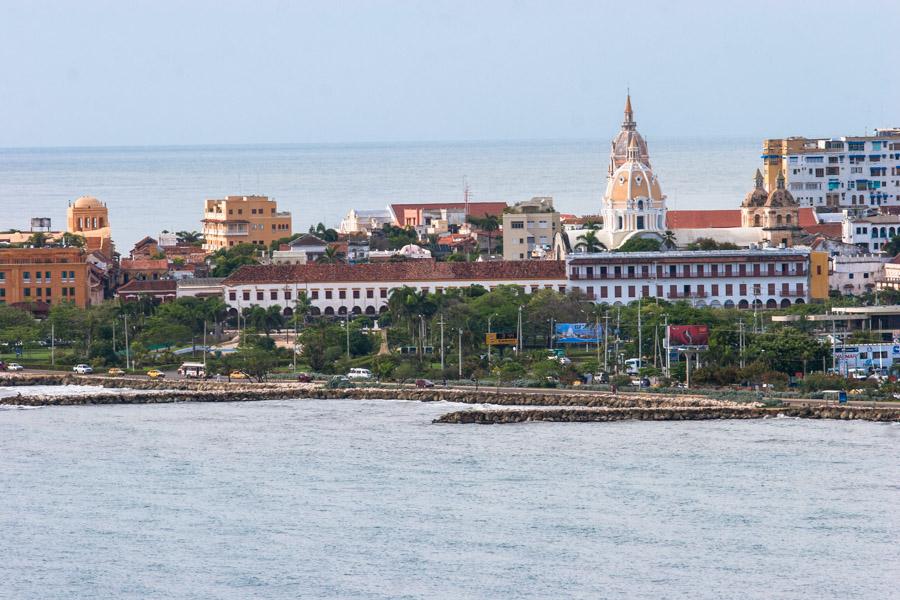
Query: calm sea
{"points": [[351, 499], [150, 189]]}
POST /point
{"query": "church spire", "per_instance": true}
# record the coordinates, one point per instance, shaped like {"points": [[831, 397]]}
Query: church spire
{"points": [[779, 183], [628, 123], [758, 180]]}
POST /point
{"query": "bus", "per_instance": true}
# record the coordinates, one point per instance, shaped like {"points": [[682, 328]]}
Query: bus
{"points": [[192, 370]]}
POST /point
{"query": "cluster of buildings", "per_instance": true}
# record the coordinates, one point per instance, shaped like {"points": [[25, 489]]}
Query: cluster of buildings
{"points": [[816, 218]]}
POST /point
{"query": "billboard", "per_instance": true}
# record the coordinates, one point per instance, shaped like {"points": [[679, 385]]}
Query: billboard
{"points": [[500, 339], [688, 335], [578, 333]]}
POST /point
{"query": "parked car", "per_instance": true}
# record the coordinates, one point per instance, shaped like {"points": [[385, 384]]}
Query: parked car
{"points": [[358, 373], [304, 377], [424, 383], [14, 367], [238, 375], [83, 369], [155, 374], [115, 372]]}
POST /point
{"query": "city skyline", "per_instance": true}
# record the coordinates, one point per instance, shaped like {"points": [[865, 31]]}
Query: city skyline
{"points": [[278, 73]]}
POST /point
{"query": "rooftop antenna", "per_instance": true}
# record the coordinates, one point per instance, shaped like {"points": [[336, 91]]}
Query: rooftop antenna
{"points": [[466, 196]]}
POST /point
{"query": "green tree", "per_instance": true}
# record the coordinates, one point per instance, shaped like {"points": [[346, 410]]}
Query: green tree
{"points": [[330, 257], [194, 238], [325, 233], [706, 244], [72, 240], [637, 244], [488, 224], [225, 261], [892, 247], [38, 239], [589, 242]]}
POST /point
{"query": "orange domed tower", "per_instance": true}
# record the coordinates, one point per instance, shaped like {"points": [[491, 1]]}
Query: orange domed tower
{"points": [[88, 217], [626, 137]]}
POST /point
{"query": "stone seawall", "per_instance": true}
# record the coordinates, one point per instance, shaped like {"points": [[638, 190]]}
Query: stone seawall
{"points": [[582, 415]]}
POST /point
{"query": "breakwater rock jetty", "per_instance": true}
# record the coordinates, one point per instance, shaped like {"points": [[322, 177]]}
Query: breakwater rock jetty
{"points": [[685, 413]]}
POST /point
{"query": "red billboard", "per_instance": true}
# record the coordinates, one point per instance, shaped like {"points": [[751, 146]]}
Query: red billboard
{"points": [[688, 335]]}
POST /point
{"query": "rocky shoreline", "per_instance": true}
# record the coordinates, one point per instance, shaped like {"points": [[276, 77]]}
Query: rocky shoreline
{"points": [[687, 413], [524, 406]]}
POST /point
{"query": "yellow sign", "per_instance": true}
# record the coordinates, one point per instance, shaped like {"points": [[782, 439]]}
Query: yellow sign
{"points": [[500, 339]]}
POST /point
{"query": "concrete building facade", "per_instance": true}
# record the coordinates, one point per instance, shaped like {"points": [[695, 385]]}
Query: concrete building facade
{"points": [[243, 220], [44, 276], [842, 172], [529, 230]]}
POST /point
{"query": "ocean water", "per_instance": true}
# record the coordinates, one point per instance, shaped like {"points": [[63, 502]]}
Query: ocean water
{"points": [[150, 189], [370, 500]]}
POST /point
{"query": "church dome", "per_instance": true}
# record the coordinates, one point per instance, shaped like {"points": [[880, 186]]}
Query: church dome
{"points": [[627, 137], [758, 196], [780, 197], [88, 202], [633, 181]]}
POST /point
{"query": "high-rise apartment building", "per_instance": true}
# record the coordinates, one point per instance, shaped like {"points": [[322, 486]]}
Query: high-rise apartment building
{"points": [[243, 220], [837, 173]]}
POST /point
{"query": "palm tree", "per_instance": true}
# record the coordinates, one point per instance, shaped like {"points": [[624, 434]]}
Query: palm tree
{"points": [[589, 242], [488, 224], [669, 238], [194, 238], [330, 257]]}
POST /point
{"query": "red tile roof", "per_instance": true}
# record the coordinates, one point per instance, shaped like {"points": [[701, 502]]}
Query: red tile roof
{"points": [[828, 230], [144, 264], [412, 271], [807, 217], [159, 286], [703, 219]]}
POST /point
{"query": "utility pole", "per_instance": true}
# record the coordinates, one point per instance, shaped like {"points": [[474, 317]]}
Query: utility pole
{"points": [[442, 344], [519, 331], [204, 344], [127, 346], [597, 325], [551, 333], [53, 343], [294, 357], [347, 324], [114, 334], [460, 353], [833, 344], [741, 343], [668, 349], [640, 352], [618, 329], [606, 342]]}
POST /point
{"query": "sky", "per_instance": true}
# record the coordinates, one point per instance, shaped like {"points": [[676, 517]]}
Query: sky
{"points": [[100, 73]]}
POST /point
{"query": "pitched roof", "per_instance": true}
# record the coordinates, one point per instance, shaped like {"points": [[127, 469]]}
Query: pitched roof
{"points": [[807, 217], [144, 264], [148, 287], [703, 219], [307, 239], [424, 270], [827, 230]]}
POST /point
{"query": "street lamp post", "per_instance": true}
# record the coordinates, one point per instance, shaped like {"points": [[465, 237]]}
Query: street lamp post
{"points": [[460, 353]]}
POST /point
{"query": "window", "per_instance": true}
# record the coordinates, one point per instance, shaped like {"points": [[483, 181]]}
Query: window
{"points": [[273, 294], [314, 295], [370, 293], [617, 291], [631, 291], [2, 278], [603, 292], [288, 294], [729, 289], [382, 293], [356, 294], [342, 294], [328, 294], [26, 276], [517, 225], [27, 292], [231, 295], [246, 295], [259, 295]]}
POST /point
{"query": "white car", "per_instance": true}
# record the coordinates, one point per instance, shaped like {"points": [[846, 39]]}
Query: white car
{"points": [[83, 369], [357, 373], [14, 367]]}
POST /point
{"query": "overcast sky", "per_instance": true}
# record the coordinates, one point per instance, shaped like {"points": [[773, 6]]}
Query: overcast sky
{"points": [[158, 72]]}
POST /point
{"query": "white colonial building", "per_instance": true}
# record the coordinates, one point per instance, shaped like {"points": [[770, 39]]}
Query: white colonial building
{"points": [[770, 278], [869, 231], [339, 289]]}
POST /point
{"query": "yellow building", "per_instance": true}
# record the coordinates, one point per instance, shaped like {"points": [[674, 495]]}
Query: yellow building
{"points": [[243, 220], [818, 276], [89, 218], [31, 277]]}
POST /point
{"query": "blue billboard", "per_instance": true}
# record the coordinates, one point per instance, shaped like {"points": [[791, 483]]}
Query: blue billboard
{"points": [[578, 333]]}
